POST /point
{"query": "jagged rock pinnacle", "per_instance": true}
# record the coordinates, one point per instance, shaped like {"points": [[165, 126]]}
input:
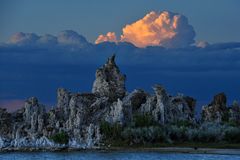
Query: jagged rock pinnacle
{"points": [[111, 60], [110, 82]]}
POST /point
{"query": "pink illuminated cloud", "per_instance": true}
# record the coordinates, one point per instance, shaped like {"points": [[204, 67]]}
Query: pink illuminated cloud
{"points": [[109, 37]]}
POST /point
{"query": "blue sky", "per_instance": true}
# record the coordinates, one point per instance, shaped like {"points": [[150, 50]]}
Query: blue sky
{"points": [[214, 21], [36, 65]]}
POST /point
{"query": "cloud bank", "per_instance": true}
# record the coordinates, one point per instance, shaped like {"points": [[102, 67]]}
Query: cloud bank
{"points": [[166, 29], [64, 38]]}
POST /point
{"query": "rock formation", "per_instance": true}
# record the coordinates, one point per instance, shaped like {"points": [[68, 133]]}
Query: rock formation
{"points": [[217, 110], [5, 123], [234, 113], [77, 117], [34, 115], [166, 109], [109, 81]]}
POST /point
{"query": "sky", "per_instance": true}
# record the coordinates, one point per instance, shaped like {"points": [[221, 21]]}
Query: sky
{"points": [[214, 21], [190, 47]]}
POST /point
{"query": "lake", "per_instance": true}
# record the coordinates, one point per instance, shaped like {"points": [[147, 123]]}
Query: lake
{"points": [[95, 155]]}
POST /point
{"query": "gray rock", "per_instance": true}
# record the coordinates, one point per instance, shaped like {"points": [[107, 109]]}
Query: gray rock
{"points": [[116, 114], [162, 106], [79, 115], [109, 81], [217, 110], [63, 98], [168, 109], [234, 113], [135, 99], [34, 114], [5, 123]]}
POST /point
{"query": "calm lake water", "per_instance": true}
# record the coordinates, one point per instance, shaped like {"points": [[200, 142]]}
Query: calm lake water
{"points": [[112, 156]]}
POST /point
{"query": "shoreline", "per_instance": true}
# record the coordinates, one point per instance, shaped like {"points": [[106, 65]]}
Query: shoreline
{"points": [[184, 150], [188, 150]]}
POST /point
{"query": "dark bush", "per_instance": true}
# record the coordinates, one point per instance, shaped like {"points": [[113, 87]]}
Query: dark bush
{"points": [[142, 135], [111, 131], [233, 123], [144, 120], [232, 135], [177, 134], [60, 138], [183, 123]]}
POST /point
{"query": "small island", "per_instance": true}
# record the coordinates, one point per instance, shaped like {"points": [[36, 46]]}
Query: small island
{"points": [[111, 118]]}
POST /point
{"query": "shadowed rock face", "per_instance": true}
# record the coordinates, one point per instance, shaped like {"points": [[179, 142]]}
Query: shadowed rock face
{"points": [[220, 100], [216, 111], [109, 81], [79, 114], [234, 113], [167, 109], [5, 122], [34, 114], [63, 98]]}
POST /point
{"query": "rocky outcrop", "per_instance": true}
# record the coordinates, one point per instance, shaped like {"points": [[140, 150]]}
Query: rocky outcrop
{"points": [[136, 99], [63, 98], [167, 109], [234, 113], [109, 81], [5, 123], [217, 110], [77, 117], [34, 115], [33, 127]]}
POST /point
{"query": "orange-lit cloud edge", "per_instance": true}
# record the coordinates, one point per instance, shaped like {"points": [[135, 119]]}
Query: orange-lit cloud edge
{"points": [[167, 29]]}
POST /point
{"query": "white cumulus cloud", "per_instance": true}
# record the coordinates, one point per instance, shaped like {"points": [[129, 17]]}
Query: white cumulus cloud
{"points": [[69, 37], [47, 39], [202, 44], [64, 38], [21, 38]]}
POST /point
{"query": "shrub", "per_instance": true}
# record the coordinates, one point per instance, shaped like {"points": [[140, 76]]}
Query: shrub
{"points": [[157, 134], [211, 132], [208, 136], [177, 134], [183, 123], [232, 134], [192, 134], [232, 123], [144, 120], [142, 135], [60, 138], [111, 131]]}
